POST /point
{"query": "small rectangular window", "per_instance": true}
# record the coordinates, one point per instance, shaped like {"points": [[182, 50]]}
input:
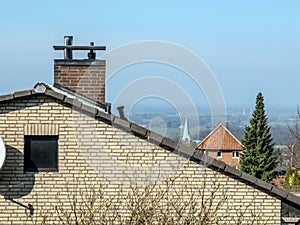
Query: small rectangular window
{"points": [[236, 154], [40, 153], [219, 154]]}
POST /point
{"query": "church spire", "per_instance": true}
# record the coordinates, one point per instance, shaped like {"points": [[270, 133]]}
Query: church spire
{"points": [[185, 135]]}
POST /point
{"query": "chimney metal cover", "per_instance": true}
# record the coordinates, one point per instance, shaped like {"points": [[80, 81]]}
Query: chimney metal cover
{"points": [[68, 42]]}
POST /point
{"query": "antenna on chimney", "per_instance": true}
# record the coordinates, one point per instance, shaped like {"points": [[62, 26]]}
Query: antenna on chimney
{"points": [[68, 48]]}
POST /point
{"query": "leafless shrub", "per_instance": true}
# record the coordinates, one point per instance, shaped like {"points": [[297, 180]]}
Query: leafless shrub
{"points": [[176, 200], [294, 148]]}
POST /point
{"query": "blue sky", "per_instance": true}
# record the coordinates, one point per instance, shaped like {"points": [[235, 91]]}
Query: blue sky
{"points": [[250, 46]]}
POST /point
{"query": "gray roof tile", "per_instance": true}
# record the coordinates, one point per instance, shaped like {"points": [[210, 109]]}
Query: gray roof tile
{"points": [[55, 94], [25, 93], [105, 116], [138, 130], [164, 142], [155, 138], [73, 102], [120, 123], [89, 109], [6, 97], [169, 143]]}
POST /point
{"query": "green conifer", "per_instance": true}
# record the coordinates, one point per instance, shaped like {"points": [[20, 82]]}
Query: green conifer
{"points": [[258, 158], [296, 180]]}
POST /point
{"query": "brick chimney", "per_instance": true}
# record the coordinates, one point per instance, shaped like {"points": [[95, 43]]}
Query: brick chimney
{"points": [[83, 77]]}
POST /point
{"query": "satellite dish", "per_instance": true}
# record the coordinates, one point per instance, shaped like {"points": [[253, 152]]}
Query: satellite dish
{"points": [[2, 152]]}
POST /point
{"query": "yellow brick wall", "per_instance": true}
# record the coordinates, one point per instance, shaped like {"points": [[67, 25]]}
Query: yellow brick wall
{"points": [[92, 153]]}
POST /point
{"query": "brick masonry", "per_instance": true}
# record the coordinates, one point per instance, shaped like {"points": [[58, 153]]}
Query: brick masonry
{"points": [[84, 77], [95, 152], [226, 157]]}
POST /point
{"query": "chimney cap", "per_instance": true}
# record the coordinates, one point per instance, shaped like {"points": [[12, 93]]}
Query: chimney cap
{"points": [[73, 47], [68, 48]]}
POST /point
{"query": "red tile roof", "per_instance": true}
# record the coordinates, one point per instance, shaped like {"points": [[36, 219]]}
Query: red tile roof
{"points": [[164, 142], [220, 139]]}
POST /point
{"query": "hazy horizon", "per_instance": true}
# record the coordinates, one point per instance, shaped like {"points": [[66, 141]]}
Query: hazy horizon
{"points": [[249, 47]]}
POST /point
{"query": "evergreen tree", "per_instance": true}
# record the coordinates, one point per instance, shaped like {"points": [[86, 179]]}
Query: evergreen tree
{"points": [[295, 180], [258, 158]]}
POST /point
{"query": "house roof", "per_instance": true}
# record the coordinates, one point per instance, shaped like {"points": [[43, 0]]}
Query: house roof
{"points": [[220, 139], [164, 142]]}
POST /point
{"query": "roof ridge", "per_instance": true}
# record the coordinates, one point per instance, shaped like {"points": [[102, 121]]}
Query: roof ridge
{"points": [[220, 125], [209, 135], [164, 142]]}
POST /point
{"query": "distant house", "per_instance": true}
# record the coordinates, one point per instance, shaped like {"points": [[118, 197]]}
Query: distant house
{"points": [[61, 145], [221, 144]]}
